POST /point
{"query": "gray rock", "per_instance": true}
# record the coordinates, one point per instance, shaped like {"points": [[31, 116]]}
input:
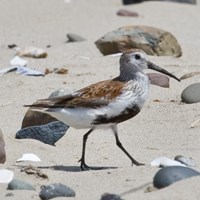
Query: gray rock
{"points": [[74, 38], [2, 149], [16, 184], [191, 94], [108, 196], [159, 79], [56, 190], [169, 175], [152, 40], [127, 2], [49, 133]]}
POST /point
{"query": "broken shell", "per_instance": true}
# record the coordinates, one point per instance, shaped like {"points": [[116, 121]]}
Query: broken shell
{"points": [[184, 160], [165, 162], [6, 176], [17, 61], [32, 52], [29, 157]]}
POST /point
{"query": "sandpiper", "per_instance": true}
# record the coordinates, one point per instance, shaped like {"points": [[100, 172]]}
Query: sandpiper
{"points": [[106, 103]]}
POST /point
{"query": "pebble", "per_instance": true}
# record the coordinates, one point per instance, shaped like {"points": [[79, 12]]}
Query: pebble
{"points": [[169, 175], [108, 196], [127, 2], [74, 38], [56, 190], [127, 13], [153, 41], [159, 79], [191, 94], [49, 133], [16, 184], [2, 149], [184, 160]]}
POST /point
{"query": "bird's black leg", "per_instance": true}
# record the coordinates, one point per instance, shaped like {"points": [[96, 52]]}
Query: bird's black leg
{"points": [[119, 144]]}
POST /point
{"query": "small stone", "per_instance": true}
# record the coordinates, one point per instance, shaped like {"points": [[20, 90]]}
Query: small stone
{"points": [[49, 133], [189, 75], [16, 184], [56, 190], [191, 94], [108, 196], [127, 13], [159, 79], [153, 41], [74, 38], [2, 149], [184, 160], [169, 175], [9, 194], [127, 2]]}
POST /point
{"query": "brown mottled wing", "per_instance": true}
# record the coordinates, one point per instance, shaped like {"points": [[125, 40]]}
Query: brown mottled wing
{"points": [[96, 95]]}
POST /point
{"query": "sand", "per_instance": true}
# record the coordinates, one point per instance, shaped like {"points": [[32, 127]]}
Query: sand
{"points": [[161, 129]]}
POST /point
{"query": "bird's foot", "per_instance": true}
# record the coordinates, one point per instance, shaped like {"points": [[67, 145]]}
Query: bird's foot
{"points": [[134, 162], [85, 167]]}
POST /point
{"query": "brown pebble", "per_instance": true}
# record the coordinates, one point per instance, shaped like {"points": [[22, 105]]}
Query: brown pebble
{"points": [[127, 13]]}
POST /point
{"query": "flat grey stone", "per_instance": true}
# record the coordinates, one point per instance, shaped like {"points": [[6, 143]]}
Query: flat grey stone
{"points": [[49, 133], [153, 41], [56, 190], [191, 94], [74, 38], [169, 175], [16, 184]]}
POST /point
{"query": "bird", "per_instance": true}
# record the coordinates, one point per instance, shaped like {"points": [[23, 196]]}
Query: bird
{"points": [[107, 103]]}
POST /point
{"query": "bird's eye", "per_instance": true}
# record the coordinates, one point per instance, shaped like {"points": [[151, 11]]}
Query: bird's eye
{"points": [[137, 56]]}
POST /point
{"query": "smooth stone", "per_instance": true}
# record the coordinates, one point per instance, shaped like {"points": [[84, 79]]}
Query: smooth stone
{"points": [[2, 149], [16, 184], [191, 94], [108, 196], [74, 38], [56, 190], [169, 175], [185, 160], [153, 41], [127, 2], [127, 13], [159, 79], [49, 133]]}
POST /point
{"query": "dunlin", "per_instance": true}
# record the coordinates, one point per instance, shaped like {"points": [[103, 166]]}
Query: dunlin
{"points": [[106, 103]]}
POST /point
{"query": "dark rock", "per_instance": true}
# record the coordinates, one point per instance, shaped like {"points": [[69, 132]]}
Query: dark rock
{"points": [[19, 185], [56, 190], [108, 196], [127, 13], [159, 79], [2, 149], [152, 40], [74, 38], [168, 175], [191, 94], [127, 2], [49, 133]]}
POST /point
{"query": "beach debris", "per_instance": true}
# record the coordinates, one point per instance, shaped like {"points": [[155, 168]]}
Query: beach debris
{"points": [[185, 160], [2, 149], [153, 41], [127, 2], [191, 94], [74, 38], [16, 184], [32, 52], [165, 162], [56, 71], [159, 79], [34, 171], [9, 194], [56, 190], [169, 175], [189, 75], [6, 175], [108, 196], [195, 124], [19, 65], [48, 133], [127, 13], [11, 46], [29, 157]]}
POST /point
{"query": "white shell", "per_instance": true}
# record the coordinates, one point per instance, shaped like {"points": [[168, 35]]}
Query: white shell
{"points": [[6, 176], [29, 72], [185, 160], [29, 157], [165, 162], [17, 61]]}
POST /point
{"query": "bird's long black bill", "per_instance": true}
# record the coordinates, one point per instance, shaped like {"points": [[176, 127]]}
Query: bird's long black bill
{"points": [[161, 70]]}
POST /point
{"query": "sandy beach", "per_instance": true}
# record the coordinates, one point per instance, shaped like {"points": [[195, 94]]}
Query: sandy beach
{"points": [[162, 128]]}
